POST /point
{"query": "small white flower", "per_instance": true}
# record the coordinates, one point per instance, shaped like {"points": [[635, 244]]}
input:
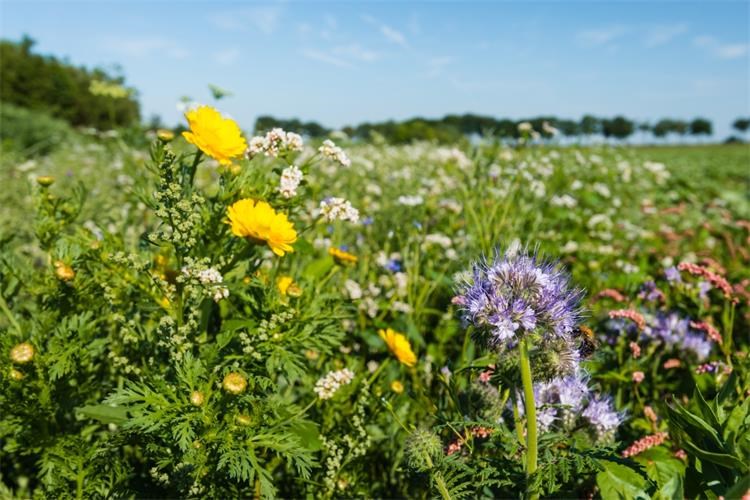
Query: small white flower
{"points": [[335, 153], [290, 180], [410, 201], [333, 209], [353, 289], [327, 386]]}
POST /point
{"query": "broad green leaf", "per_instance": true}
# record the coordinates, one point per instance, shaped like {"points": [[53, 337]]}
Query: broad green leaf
{"points": [[692, 425], [708, 413], [671, 490], [723, 459], [620, 482]]}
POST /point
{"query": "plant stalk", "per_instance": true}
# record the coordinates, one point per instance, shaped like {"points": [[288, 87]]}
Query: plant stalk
{"points": [[530, 404]]}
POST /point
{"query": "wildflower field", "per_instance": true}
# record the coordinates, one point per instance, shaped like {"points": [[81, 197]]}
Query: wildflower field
{"points": [[216, 315]]}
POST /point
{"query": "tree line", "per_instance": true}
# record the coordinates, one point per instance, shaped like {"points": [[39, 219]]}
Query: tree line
{"points": [[82, 97], [453, 127]]}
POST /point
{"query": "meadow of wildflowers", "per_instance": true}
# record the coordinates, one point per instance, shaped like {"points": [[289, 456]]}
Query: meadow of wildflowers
{"points": [[217, 315]]}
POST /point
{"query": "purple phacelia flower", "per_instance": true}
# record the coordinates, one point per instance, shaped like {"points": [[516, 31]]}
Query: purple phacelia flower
{"points": [[564, 403], [672, 275], [517, 294], [602, 416], [675, 331]]}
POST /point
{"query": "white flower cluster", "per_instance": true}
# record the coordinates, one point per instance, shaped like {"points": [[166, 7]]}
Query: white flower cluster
{"points": [[332, 151], [564, 200], [338, 209], [290, 178], [410, 200], [274, 142], [327, 386], [211, 279]]}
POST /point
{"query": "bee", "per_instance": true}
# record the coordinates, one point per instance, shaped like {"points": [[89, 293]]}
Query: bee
{"points": [[589, 344]]}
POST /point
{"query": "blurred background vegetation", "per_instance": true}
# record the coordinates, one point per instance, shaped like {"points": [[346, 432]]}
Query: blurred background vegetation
{"points": [[43, 99]]}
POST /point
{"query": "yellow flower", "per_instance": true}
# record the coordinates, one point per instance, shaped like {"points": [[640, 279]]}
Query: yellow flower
{"points": [[287, 286], [260, 223], [399, 345], [197, 398], [22, 353], [63, 271], [341, 256], [218, 137], [234, 382], [397, 386]]}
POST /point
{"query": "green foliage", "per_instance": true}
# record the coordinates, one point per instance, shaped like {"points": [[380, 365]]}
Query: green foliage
{"points": [[30, 132], [46, 84], [108, 271]]}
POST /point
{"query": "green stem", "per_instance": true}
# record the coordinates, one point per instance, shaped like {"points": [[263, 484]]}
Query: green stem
{"points": [[530, 403], [9, 314]]}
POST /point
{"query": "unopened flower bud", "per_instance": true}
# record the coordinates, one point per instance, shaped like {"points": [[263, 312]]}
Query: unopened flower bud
{"points": [[15, 374], [243, 420], [63, 271], [164, 135], [22, 353], [45, 180], [234, 383], [397, 387], [197, 398]]}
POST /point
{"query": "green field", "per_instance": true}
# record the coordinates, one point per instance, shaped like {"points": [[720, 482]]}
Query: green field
{"points": [[148, 376]]}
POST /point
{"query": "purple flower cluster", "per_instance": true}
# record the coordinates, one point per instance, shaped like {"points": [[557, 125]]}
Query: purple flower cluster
{"points": [[517, 294], [563, 403], [674, 330]]}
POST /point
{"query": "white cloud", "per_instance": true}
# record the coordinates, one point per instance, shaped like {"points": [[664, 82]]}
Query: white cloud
{"points": [[227, 57], [324, 57], [659, 35], [389, 33], [261, 18], [601, 36], [393, 35], [719, 49], [146, 46]]}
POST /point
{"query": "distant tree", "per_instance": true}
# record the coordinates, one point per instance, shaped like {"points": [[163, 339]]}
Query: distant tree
{"points": [[663, 128], [619, 127], [741, 125], [80, 96], [591, 125], [700, 126], [569, 128], [680, 127]]}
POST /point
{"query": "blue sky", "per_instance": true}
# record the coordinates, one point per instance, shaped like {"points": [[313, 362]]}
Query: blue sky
{"points": [[345, 62]]}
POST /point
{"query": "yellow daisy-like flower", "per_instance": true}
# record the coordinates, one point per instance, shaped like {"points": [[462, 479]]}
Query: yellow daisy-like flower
{"points": [[397, 386], [399, 345], [218, 137], [260, 223], [287, 286], [341, 256]]}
